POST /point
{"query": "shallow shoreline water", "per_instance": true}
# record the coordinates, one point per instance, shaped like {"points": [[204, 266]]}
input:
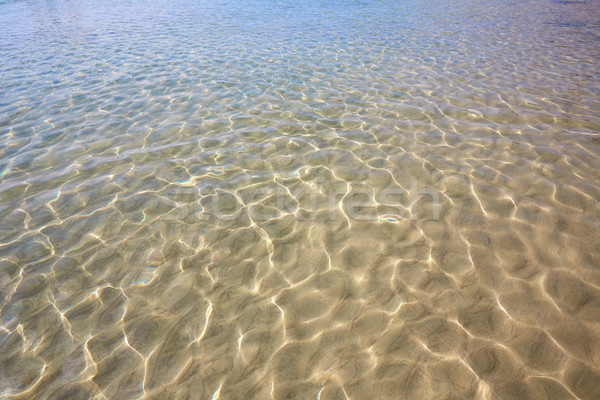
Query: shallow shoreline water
{"points": [[299, 200]]}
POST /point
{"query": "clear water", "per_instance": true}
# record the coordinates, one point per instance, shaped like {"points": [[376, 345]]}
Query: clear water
{"points": [[299, 199]]}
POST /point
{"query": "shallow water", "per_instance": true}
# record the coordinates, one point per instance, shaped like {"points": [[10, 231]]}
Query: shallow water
{"points": [[359, 199]]}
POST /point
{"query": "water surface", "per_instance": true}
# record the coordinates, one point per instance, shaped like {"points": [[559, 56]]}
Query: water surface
{"points": [[299, 199]]}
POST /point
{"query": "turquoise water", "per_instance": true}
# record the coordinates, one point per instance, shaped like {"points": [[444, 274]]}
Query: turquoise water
{"points": [[299, 199]]}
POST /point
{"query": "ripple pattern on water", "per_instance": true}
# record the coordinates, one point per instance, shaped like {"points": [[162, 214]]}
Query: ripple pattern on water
{"points": [[332, 200]]}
